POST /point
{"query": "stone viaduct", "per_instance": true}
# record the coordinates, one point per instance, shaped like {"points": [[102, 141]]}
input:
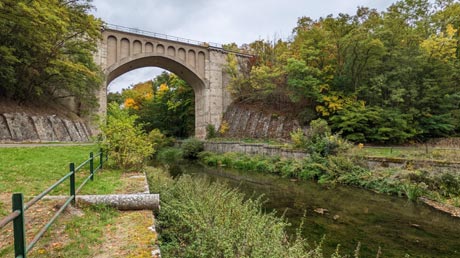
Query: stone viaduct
{"points": [[200, 64]]}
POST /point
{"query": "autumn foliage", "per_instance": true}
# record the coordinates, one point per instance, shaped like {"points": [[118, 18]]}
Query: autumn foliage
{"points": [[391, 76]]}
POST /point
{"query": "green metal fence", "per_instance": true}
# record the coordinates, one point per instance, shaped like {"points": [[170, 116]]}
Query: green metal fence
{"points": [[19, 208]]}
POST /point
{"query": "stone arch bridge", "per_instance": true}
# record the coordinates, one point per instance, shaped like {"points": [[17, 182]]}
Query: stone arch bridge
{"points": [[200, 64]]}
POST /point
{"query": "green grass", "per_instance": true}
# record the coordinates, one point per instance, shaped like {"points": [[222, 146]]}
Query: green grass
{"points": [[32, 170], [417, 152], [81, 234]]}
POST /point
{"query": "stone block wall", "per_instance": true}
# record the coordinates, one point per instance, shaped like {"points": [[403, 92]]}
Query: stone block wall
{"points": [[21, 127], [253, 149], [253, 123]]}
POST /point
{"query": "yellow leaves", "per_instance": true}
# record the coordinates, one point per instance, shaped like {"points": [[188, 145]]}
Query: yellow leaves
{"points": [[331, 105], [148, 96], [135, 96], [442, 46], [450, 31], [224, 127], [131, 103], [163, 88], [334, 103]]}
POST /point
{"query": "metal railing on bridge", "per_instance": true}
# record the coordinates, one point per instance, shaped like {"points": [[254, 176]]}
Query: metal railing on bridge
{"points": [[161, 36], [218, 46], [19, 208]]}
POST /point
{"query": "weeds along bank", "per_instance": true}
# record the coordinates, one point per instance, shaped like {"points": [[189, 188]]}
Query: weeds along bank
{"points": [[203, 219], [329, 163], [330, 170]]}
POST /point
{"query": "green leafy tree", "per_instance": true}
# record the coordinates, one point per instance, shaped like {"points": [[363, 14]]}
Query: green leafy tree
{"points": [[46, 50], [166, 103], [127, 143], [390, 76]]}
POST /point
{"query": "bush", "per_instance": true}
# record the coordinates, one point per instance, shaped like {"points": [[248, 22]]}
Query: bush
{"points": [[191, 147], [127, 143], [158, 139], [224, 127], [299, 139], [210, 131], [318, 139], [170, 155], [203, 219]]}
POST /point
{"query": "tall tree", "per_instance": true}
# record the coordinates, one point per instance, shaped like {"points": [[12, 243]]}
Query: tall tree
{"points": [[46, 50]]}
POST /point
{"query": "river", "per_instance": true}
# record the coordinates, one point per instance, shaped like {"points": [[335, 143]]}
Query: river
{"points": [[347, 215]]}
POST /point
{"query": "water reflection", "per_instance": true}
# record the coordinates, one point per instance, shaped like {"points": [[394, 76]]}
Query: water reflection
{"points": [[347, 215]]}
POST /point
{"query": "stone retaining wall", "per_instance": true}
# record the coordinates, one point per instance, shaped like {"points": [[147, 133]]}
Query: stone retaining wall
{"points": [[372, 162], [253, 149], [252, 123], [20, 127]]}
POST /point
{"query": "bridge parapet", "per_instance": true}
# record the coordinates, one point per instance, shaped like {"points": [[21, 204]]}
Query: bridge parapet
{"points": [[161, 36]]}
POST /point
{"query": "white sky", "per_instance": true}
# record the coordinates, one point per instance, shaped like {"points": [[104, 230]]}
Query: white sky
{"points": [[220, 21]]}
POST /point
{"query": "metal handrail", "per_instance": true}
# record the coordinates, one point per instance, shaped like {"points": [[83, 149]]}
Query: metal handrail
{"points": [[161, 35], [19, 208], [50, 222], [41, 195], [211, 45], [9, 218]]}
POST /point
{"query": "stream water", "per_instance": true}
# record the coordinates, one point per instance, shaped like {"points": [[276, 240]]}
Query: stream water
{"points": [[347, 216]]}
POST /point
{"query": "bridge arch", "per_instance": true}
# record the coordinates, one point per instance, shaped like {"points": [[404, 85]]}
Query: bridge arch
{"points": [[200, 64], [197, 82]]}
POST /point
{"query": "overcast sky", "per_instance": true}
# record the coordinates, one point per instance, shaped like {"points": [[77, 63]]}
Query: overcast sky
{"points": [[220, 21]]}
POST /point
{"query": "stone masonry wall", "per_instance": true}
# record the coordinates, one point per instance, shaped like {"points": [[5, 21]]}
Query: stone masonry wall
{"points": [[253, 123], [20, 127], [251, 149]]}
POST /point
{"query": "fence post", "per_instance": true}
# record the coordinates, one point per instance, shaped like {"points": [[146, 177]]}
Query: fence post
{"points": [[91, 165], [19, 227], [72, 182], [100, 157]]}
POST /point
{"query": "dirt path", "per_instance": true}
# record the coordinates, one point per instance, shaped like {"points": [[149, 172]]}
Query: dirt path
{"points": [[129, 236]]}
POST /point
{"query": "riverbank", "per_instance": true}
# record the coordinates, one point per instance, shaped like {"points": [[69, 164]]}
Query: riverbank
{"points": [[199, 218], [337, 215], [440, 188]]}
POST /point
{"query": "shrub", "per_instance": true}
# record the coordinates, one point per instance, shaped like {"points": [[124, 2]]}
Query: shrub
{"points": [[298, 138], [158, 139], [210, 131], [449, 184], [413, 191], [203, 219], [191, 147], [170, 155], [318, 128], [318, 139], [224, 127], [127, 143]]}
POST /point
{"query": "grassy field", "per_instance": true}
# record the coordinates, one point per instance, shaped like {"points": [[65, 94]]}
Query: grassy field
{"points": [[32, 170], [415, 152], [79, 231]]}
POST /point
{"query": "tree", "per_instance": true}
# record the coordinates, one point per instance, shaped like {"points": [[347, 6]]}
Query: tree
{"points": [[165, 103], [127, 142], [46, 50]]}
